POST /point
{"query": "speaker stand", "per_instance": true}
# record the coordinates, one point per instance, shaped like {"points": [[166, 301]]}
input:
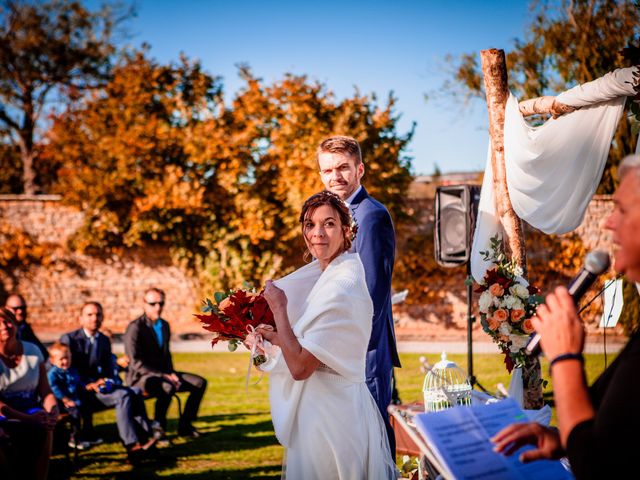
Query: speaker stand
{"points": [[470, 321]]}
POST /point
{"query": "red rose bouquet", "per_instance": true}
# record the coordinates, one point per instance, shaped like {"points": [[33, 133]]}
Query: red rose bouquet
{"points": [[234, 316]]}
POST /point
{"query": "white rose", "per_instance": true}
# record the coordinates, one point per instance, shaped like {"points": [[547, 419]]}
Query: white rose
{"points": [[518, 342], [512, 303], [517, 271], [485, 301], [519, 290], [505, 328]]}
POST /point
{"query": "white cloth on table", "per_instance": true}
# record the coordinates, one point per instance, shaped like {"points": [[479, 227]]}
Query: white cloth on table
{"points": [[329, 423], [554, 169]]}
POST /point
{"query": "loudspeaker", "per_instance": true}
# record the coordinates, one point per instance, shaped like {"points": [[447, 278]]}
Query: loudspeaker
{"points": [[456, 207]]}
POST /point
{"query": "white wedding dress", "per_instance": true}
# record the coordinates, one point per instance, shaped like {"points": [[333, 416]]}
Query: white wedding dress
{"points": [[329, 423]]}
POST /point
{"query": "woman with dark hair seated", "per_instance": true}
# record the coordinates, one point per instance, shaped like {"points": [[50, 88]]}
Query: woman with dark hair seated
{"points": [[28, 411]]}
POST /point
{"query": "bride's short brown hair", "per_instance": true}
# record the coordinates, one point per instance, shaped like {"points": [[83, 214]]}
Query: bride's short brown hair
{"points": [[326, 197]]}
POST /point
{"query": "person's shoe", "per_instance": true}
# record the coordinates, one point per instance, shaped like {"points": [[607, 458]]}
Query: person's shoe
{"points": [[94, 441], [190, 432], [78, 445], [158, 431]]}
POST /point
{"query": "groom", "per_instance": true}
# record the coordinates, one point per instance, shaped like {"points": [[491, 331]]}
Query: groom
{"points": [[341, 169]]}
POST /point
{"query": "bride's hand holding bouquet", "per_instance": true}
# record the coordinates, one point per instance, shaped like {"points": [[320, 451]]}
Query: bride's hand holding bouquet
{"points": [[241, 316], [277, 301]]}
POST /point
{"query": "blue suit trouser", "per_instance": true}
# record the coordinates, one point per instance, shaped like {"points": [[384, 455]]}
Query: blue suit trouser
{"points": [[131, 415]]}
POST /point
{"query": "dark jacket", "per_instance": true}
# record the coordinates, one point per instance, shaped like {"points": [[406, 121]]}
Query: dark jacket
{"points": [[25, 333], [606, 446], [80, 347], [146, 356]]}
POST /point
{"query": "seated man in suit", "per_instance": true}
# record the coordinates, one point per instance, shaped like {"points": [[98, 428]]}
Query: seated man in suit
{"points": [[151, 367], [91, 357]]}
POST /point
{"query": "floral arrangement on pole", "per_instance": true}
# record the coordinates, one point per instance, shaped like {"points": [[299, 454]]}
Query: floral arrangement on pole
{"points": [[234, 315], [507, 303]]}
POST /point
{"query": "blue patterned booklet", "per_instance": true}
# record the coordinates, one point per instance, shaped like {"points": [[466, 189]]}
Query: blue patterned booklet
{"points": [[460, 439]]}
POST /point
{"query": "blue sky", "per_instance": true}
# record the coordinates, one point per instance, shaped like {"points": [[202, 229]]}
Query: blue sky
{"points": [[376, 46]]}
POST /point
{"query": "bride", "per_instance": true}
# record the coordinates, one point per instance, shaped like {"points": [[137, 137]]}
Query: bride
{"points": [[323, 413]]}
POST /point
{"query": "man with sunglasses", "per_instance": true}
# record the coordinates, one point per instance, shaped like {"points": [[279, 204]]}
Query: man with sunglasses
{"points": [[17, 304], [151, 367]]}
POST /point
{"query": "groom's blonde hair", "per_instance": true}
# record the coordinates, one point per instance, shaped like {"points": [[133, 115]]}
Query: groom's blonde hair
{"points": [[343, 145]]}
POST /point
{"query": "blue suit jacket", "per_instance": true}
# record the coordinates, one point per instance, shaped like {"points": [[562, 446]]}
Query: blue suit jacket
{"points": [[375, 242], [80, 346]]}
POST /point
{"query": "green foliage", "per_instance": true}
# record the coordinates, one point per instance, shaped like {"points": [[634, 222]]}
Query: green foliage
{"points": [[567, 43]]}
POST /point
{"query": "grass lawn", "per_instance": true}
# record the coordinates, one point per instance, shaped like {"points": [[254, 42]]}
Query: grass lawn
{"points": [[239, 441]]}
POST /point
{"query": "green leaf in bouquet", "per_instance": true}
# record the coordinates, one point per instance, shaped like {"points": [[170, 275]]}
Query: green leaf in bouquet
{"points": [[233, 344], [248, 286], [208, 306], [219, 296]]}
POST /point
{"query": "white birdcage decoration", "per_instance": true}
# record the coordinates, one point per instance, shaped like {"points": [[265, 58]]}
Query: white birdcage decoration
{"points": [[445, 385]]}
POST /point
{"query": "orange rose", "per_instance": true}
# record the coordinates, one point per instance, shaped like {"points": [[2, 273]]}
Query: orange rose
{"points": [[516, 315], [501, 315], [496, 290], [527, 326], [493, 323]]}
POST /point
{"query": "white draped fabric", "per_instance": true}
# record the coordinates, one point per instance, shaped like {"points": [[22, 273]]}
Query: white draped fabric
{"points": [[329, 423], [553, 169]]}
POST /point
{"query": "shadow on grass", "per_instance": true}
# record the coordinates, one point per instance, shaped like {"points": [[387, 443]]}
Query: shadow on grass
{"points": [[149, 473], [222, 433]]}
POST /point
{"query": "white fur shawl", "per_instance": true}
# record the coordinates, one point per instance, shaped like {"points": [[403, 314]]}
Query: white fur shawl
{"points": [[330, 312]]}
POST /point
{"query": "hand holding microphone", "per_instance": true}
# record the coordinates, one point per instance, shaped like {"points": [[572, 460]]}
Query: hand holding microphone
{"points": [[560, 306]]}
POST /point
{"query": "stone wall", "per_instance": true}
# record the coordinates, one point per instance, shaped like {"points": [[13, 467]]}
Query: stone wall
{"points": [[55, 293]]}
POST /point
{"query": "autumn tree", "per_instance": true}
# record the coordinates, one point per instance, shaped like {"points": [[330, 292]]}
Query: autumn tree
{"points": [[567, 43], [156, 156], [284, 123], [49, 51], [124, 156]]}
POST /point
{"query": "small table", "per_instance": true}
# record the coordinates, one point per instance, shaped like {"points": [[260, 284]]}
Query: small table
{"points": [[410, 442]]}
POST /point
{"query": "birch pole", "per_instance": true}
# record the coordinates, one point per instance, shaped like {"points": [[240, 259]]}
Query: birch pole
{"points": [[494, 69]]}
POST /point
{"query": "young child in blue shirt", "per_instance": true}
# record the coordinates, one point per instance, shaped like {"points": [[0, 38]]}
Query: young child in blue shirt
{"points": [[65, 385]]}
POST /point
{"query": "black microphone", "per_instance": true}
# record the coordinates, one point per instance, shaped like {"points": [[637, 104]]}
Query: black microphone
{"points": [[595, 263]]}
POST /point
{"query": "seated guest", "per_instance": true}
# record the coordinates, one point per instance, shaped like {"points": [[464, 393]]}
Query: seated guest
{"points": [[18, 306], [597, 425], [66, 386], [28, 411], [151, 367], [91, 356]]}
